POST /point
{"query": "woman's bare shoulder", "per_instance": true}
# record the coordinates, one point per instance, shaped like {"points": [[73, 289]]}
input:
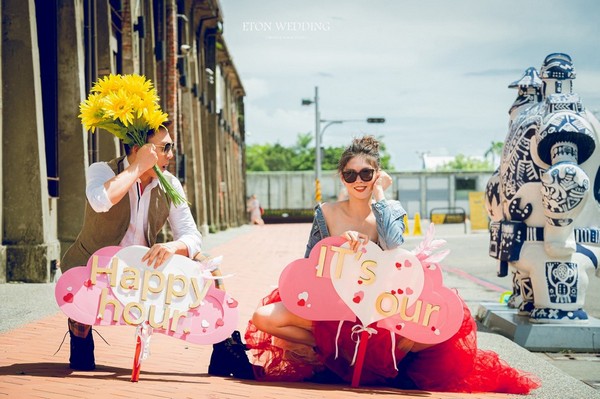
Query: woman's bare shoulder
{"points": [[332, 208]]}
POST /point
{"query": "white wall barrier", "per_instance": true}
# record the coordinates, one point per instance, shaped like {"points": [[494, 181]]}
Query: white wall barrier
{"points": [[419, 191]]}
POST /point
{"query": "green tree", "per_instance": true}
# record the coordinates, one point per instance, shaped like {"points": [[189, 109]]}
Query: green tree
{"points": [[330, 158], [462, 162], [255, 157], [266, 157], [495, 151], [303, 153], [300, 156]]}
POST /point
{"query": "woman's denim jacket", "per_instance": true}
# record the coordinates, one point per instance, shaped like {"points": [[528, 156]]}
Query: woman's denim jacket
{"points": [[389, 215]]}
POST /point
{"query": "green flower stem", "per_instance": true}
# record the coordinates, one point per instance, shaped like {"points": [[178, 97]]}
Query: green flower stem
{"points": [[173, 194]]}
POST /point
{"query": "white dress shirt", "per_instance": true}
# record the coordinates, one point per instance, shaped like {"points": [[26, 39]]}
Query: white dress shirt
{"points": [[180, 218]]}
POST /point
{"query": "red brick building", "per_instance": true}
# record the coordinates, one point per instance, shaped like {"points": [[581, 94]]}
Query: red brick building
{"points": [[52, 51]]}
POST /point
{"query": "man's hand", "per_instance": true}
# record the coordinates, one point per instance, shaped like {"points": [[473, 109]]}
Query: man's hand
{"points": [[146, 157], [159, 254]]}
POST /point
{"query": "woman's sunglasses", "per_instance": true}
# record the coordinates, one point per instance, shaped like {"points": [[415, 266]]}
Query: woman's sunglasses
{"points": [[365, 175]]}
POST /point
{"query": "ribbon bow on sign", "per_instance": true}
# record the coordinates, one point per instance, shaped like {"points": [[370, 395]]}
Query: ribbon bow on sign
{"points": [[357, 331]]}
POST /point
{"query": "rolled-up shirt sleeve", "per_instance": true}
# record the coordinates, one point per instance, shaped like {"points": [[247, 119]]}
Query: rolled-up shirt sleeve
{"points": [[98, 174], [389, 215], [182, 222]]}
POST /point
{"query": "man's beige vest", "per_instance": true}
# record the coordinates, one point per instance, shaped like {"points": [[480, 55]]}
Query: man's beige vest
{"points": [[102, 229]]}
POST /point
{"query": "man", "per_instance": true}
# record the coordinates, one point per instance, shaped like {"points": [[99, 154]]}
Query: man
{"points": [[126, 206]]}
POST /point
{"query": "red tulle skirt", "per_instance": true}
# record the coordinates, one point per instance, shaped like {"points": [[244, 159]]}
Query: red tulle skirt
{"points": [[455, 365]]}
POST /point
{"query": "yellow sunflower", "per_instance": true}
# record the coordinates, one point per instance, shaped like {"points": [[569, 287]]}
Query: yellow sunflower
{"points": [[120, 106], [107, 84], [92, 111], [156, 118]]}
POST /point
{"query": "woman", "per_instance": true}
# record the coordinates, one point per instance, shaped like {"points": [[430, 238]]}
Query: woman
{"points": [[291, 348], [253, 207]]}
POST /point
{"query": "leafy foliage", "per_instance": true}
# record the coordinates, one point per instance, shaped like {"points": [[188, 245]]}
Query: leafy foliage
{"points": [[462, 162], [495, 151], [300, 156]]}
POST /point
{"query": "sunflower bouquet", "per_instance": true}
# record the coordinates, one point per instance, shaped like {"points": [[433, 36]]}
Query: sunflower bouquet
{"points": [[127, 107]]}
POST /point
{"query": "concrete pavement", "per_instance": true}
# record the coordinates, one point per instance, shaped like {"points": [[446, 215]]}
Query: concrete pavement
{"points": [[31, 329]]}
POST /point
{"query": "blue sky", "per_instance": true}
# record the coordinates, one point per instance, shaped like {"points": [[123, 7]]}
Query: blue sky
{"points": [[436, 70]]}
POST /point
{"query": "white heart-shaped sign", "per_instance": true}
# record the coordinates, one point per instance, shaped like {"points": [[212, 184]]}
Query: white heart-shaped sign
{"points": [[177, 283], [376, 284]]}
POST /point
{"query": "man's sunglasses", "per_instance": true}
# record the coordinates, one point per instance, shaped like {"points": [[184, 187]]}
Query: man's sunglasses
{"points": [[351, 175], [167, 147]]}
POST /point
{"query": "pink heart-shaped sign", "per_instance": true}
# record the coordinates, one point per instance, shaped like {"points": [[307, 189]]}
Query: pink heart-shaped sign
{"points": [[391, 288], [306, 289], [434, 318], [176, 298], [75, 284]]}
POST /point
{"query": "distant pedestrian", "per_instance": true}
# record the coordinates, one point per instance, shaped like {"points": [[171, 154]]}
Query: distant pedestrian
{"points": [[255, 210]]}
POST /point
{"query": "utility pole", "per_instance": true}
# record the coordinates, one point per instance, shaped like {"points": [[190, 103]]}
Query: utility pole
{"points": [[319, 137], [317, 144]]}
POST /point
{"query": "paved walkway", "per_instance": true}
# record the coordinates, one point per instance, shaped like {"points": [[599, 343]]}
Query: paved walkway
{"points": [[28, 368]]}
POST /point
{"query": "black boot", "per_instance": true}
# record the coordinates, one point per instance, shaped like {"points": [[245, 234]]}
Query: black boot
{"points": [[82, 352], [229, 359], [237, 338]]}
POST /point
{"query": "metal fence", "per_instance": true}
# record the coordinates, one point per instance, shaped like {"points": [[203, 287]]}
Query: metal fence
{"points": [[419, 191]]}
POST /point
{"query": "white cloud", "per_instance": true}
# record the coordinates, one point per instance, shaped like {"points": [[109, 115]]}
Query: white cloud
{"points": [[438, 71], [278, 125], [256, 88]]}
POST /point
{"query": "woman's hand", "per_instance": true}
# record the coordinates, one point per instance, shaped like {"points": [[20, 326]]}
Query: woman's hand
{"points": [[382, 182], [159, 254], [355, 239]]}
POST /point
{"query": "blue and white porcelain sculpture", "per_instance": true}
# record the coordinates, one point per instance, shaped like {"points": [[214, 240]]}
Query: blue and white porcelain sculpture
{"points": [[544, 200]]}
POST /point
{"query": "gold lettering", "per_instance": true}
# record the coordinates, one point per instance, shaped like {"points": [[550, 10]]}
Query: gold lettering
{"points": [[340, 261], [101, 270], [104, 301], [164, 324], [429, 309], [370, 278], [171, 291], [416, 314], [386, 297], [146, 287], [131, 282], [199, 295], [322, 256], [127, 316], [175, 320]]}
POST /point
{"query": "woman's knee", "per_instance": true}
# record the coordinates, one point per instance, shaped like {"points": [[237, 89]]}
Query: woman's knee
{"points": [[262, 318], [269, 318]]}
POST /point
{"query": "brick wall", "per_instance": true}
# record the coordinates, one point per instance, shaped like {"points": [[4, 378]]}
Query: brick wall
{"points": [[172, 75]]}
